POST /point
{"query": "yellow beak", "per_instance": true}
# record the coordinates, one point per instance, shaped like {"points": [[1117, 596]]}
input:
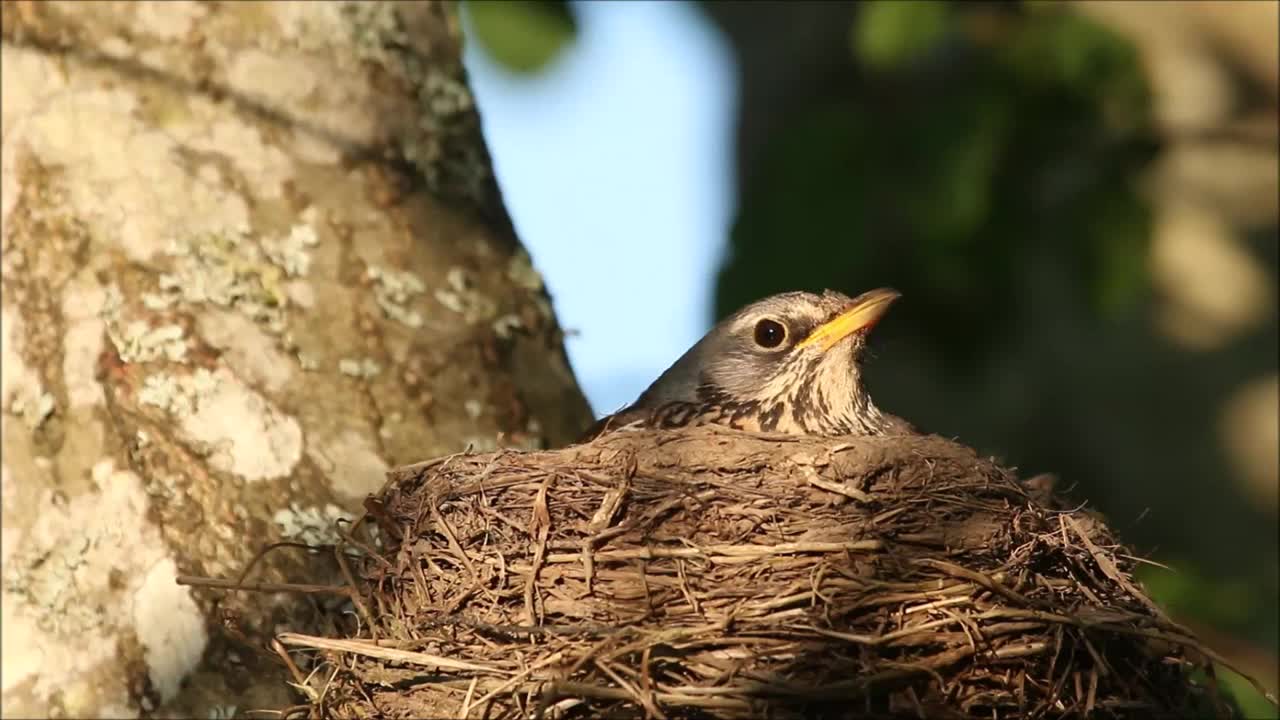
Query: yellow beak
{"points": [[865, 311]]}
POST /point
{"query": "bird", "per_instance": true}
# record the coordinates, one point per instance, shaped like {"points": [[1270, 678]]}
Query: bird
{"points": [[790, 363]]}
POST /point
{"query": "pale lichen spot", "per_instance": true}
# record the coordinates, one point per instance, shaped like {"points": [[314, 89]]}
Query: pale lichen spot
{"points": [[21, 391], [137, 341], [301, 294], [250, 352], [458, 279], [390, 422], [506, 325], [372, 28], [281, 78], [9, 534], [308, 25], [169, 626], [15, 376], [158, 302], [291, 251], [177, 394], [474, 408], [446, 95], [249, 436], [35, 410], [521, 272], [313, 148], [311, 525], [170, 20], [82, 304], [450, 299], [115, 46], [462, 297], [162, 390], [352, 464], [393, 291], [28, 79], [211, 129], [363, 368]]}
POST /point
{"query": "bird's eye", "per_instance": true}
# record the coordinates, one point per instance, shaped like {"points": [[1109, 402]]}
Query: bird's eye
{"points": [[770, 333]]}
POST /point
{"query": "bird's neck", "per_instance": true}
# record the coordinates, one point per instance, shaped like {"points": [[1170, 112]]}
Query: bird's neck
{"points": [[874, 421], [860, 416]]}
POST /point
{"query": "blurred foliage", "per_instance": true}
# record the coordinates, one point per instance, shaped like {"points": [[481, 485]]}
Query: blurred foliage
{"points": [[972, 137], [892, 33], [522, 35]]}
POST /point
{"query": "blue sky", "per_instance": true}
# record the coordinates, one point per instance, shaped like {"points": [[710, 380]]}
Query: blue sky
{"points": [[616, 166]]}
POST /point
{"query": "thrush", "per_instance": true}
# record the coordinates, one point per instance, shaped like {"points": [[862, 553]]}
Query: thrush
{"points": [[790, 363]]}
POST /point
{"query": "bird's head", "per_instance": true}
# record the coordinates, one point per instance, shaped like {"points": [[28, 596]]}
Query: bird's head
{"points": [[795, 356]]}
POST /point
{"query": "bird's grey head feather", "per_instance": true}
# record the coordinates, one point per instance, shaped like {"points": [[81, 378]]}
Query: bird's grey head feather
{"points": [[730, 365]]}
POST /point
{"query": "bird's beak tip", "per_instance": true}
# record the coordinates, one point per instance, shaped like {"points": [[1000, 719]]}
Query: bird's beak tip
{"points": [[880, 297], [861, 315]]}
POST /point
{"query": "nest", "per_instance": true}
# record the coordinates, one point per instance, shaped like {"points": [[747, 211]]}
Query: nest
{"points": [[711, 573]]}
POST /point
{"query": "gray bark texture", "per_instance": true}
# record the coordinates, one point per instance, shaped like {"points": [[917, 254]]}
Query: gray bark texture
{"points": [[253, 256]]}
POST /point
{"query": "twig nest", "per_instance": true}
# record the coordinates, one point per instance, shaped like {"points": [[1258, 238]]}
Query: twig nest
{"points": [[711, 573]]}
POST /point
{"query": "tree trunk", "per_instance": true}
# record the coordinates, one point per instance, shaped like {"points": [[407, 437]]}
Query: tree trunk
{"points": [[253, 256]]}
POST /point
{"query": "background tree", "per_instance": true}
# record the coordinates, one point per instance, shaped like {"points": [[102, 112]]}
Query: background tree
{"points": [[253, 256]]}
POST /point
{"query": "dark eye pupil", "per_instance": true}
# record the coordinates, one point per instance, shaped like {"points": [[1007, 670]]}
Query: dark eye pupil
{"points": [[770, 333]]}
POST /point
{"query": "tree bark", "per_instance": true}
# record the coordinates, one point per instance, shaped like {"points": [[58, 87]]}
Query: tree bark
{"points": [[253, 256]]}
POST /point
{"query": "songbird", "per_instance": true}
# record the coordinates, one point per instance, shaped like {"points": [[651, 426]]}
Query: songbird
{"points": [[790, 363]]}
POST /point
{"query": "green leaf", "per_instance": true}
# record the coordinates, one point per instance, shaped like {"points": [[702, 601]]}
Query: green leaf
{"points": [[522, 35], [891, 33]]}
